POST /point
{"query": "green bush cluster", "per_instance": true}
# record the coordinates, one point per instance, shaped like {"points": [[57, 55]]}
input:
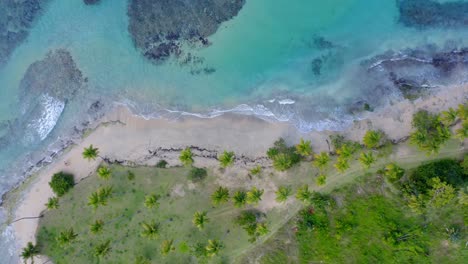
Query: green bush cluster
{"points": [[430, 132], [61, 183], [251, 222], [283, 156], [197, 174]]}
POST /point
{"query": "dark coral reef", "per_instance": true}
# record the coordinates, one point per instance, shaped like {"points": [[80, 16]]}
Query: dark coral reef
{"points": [[159, 28], [430, 13], [16, 17]]}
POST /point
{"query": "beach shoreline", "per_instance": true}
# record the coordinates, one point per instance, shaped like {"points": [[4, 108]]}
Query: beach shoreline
{"points": [[133, 140]]}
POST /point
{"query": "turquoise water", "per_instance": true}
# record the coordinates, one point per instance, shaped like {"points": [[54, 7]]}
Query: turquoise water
{"points": [[262, 59]]}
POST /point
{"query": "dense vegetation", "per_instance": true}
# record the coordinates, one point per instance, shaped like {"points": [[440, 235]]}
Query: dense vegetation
{"points": [[61, 183], [371, 222]]}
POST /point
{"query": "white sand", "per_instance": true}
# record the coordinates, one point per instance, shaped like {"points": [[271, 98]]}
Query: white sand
{"points": [[132, 137]]}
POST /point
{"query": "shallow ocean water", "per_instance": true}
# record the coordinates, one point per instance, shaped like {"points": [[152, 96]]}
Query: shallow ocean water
{"points": [[262, 61]]}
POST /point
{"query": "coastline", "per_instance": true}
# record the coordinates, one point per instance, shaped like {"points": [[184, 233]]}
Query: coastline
{"points": [[125, 138]]}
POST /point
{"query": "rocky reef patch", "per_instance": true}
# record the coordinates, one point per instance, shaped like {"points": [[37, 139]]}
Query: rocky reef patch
{"points": [[164, 28], [91, 2], [44, 91], [16, 18], [430, 13]]}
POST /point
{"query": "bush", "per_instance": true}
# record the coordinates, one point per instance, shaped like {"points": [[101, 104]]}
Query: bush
{"points": [[61, 183], [447, 170], [161, 164], [197, 174], [430, 132], [283, 157]]}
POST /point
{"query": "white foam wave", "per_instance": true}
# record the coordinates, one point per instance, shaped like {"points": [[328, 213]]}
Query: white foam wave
{"points": [[52, 109]]}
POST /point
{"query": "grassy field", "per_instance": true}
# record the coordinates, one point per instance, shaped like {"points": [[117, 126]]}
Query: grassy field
{"points": [[180, 199]]}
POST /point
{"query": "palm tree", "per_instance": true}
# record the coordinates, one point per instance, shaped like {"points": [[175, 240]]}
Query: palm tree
{"points": [[254, 196], [418, 138], [167, 247], [52, 203], [345, 151], [200, 219], [321, 160], [283, 193], [394, 172], [372, 139], [94, 200], [304, 148], [96, 227], [303, 194], [151, 201], [90, 153], [226, 159], [367, 159], [256, 170], [449, 117], [213, 248], [240, 198], [102, 250], [66, 237], [282, 162], [342, 164], [186, 157], [104, 194], [29, 252], [221, 195], [321, 180], [150, 230], [104, 173]]}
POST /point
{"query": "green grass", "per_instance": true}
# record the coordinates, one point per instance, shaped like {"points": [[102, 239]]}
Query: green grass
{"points": [[125, 211]]}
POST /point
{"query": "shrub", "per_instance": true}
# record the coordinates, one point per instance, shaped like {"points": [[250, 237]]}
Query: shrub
{"points": [[61, 183], [197, 174], [161, 164], [283, 157], [430, 133], [393, 172], [321, 180], [256, 170], [130, 175], [464, 164], [448, 170]]}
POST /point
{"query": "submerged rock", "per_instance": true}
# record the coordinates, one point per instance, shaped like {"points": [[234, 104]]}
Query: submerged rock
{"points": [[414, 71], [91, 2], [160, 27], [430, 13], [16, 17], [44, 91]]}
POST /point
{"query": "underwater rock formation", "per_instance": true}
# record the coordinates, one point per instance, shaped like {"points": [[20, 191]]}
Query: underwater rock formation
{"points": [[16, 17], [91, 2], [45, 89], [159, 28], [430, 13]]}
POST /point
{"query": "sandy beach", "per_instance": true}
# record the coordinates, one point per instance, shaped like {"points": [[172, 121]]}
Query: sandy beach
{"points": [[125, 138]]}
